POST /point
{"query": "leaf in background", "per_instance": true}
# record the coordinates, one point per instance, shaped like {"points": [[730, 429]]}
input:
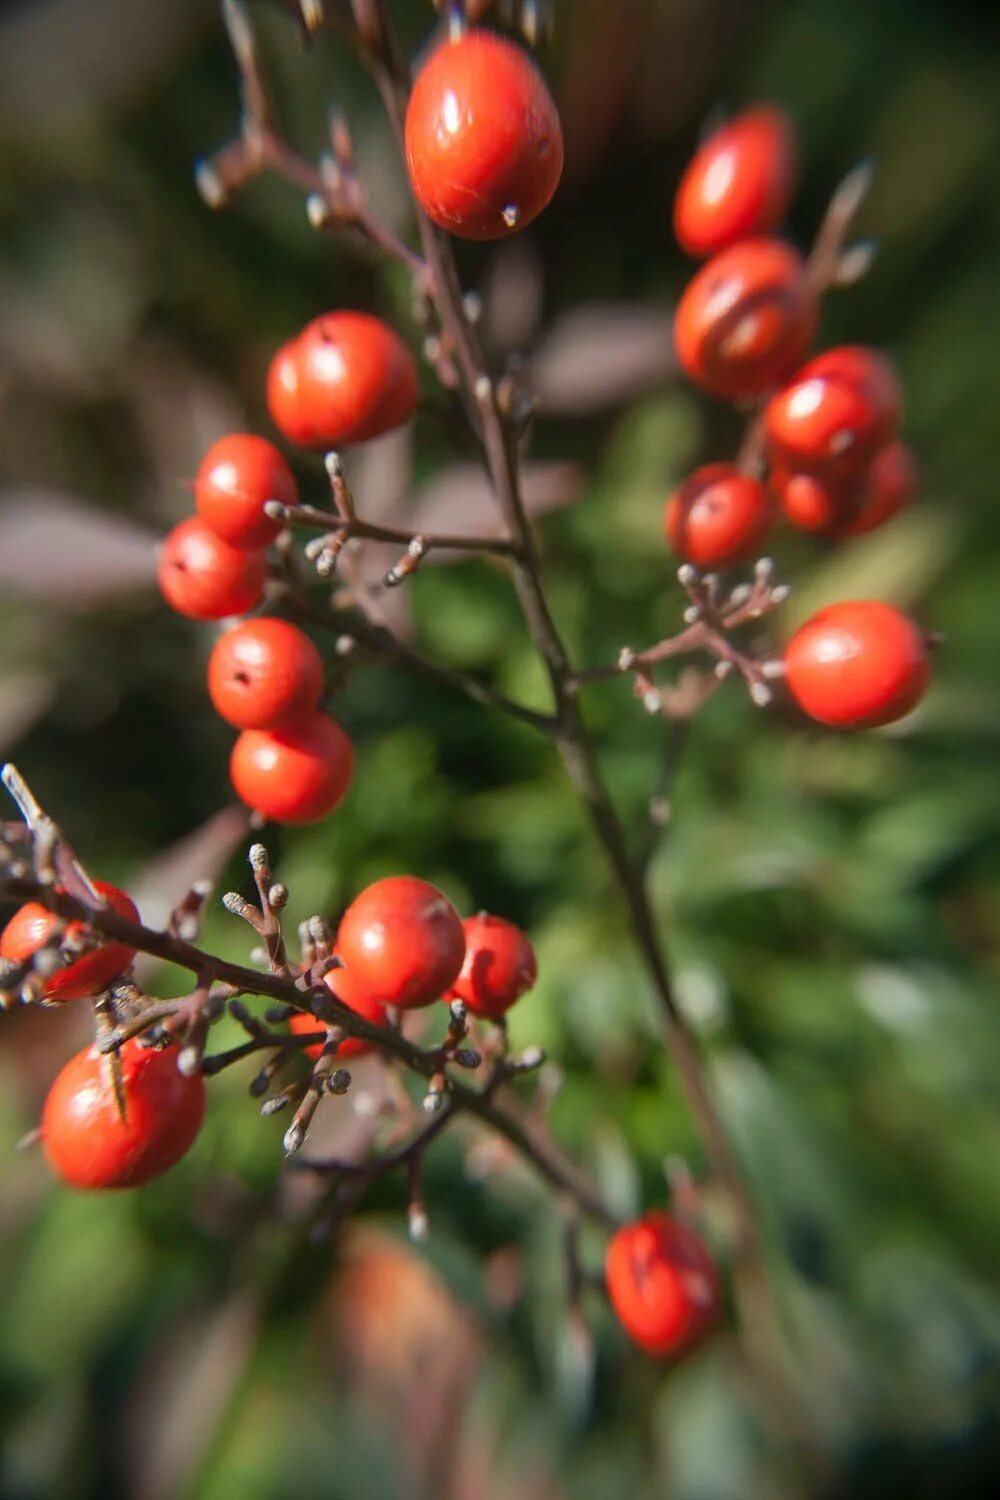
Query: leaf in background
{"points": [[512, 295], [23, 700], [68, 554], [600, 356]]}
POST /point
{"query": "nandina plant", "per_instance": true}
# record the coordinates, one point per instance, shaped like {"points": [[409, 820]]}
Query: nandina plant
{"points": [[481, 139]]}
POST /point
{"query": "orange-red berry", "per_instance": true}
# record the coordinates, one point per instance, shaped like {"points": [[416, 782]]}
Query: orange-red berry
{"points": [[205, 578], [889, 486], [717, 516], [739, 182], [811, 502], [499, 965], [746, 318], [836, 413], [857, 665], [33, 926], [484, 144], [93, 1143], [264, 673], [352, 992], [235, 480], [294, 774], [403, 940], [346, 378], [662, 1283]]}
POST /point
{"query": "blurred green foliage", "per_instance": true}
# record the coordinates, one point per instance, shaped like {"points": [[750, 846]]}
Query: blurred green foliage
{"points": [[832, 904]]}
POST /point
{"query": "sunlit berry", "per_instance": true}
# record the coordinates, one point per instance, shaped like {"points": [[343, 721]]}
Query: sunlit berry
{"points": [[717, 516], [264, 673], [346, 378], [663, 1284], [352, 992], [33, 927], [746, 318], [739, 182], [857, 665], [403, 940], [205, 578], [499, 966], [93, 1140], [836, 413], [484, 144], [235, 480], [294, 774]]}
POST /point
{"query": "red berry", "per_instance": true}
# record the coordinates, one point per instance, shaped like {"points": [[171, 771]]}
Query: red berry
{"points": [[484, 144], [203, 577], [888, 488], [837, 412], [662, 1283], [90, 1144], [32, 926], [264, 673], [717, 516], [346, 378], [857, 665], [811, 502], [349, 989], [499, 966], [296, 774], [236, 478], [746, 318], [739, 182], [404, 941]]}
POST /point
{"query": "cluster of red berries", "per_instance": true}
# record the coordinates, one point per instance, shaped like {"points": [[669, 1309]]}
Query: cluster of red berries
{"points": [[830, 426], [346, 378], [120, 1121]]}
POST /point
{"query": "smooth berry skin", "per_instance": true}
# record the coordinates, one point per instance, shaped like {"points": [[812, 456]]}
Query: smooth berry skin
{"points": [[739, 182], [346, 378], [837, 412], [404, 941], [90, 1145], [889, 486], [717, 516], [857, 665], [352, 992], [205, 578], [499, 966], [235, 480], [812, 502], [264, 674], [663, 1284], [295, 774], [484, 144], [746, 319], [31, 927]]}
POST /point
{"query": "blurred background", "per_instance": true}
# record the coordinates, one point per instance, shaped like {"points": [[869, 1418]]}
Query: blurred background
{"points": [[833, 904]]}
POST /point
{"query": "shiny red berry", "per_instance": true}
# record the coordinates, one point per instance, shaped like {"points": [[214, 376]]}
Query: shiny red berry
{"points": [[484, 144], [888, 488], [836, 413], [235, 480], [857, 665], [295, 774], [499, 966], [264, 673], [203, 577], [349, 989], [91, 1144], [739, 183], [662, 1283], [403, 940], [346, 378], [32, 927], [812, 502], [746, 318], [717, 516]]}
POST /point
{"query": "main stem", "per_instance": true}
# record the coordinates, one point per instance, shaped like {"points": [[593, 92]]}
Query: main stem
{"points": [[757, 1314]]}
